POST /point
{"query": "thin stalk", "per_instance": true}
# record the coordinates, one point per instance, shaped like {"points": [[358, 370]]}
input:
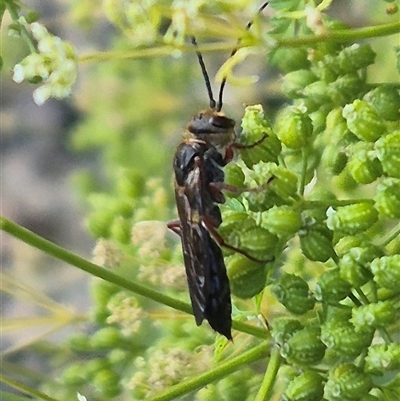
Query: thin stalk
{"points": [[5, 396], [24, 32], [60, 253], [390, 236], [217, 373], [270, 376], [340, 35], [334, 203], [25, 389]]}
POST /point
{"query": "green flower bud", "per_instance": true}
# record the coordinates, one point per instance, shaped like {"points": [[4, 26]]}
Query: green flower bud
{"points": [[392, 8], [382, 358], [386, 271], [317, 91], [267, 151], [331, 288], [305, 387], [345, 244], [353, 264], [334, 159], [356, 56], [234, 217], [386, 100], [293, 127], [281, 220], [293, 292], [344, 181], [107, 337], [101, 292], [99, 223], [258, 239], [374, 315], [388, 152], [255, 125], [336, 128], [277, 192], [79, 342], [347, 382], [74, 376], [344, 88], [352, 219], [131, 183], [95, 365], [342, 337], [364, 121], [284, 183], [387, 198], [247, 278], [246, 235], [283, 328], [106, 382], [363, 164], [233, 224], [318, 119], [295, 82], [290, 59], [209, 393], [304, 347], [326, 69], [118, 356], [316, 242], [234, 176], [120, 229], [32, 16]]}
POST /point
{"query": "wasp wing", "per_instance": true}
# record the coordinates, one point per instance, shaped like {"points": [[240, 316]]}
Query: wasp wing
{"points": [[204, 262]]}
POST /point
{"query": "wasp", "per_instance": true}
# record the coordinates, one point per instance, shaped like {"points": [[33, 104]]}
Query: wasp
{"points": [[207, 146]]}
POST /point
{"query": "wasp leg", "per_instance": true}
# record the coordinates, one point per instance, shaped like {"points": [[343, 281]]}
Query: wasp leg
{"points": [[212, 230], [175, 226], [218, 186], [229, 154], [241, 146]]}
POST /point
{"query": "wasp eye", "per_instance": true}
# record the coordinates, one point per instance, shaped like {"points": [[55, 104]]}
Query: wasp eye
{"points": [[221, 122]]}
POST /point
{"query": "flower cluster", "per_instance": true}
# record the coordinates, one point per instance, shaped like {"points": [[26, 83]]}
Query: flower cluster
{"points": [[308, 192], [54, 65]]}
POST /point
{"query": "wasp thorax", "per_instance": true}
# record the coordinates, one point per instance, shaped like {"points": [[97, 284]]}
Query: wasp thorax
{"points": [[212, 127]]}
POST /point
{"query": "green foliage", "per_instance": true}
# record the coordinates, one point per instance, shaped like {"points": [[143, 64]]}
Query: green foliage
{"points": [[322, 209]]}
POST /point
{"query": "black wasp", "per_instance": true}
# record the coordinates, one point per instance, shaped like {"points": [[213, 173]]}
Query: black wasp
{"points": [[207, 147]]}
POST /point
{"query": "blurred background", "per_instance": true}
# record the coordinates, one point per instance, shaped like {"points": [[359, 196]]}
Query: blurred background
{"points": [[53, 155]]}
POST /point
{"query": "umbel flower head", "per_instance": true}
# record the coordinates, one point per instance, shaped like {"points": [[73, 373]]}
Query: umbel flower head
{"points": [[54, 66]]}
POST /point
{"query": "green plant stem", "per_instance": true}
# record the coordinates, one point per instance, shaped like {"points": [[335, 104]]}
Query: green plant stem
{"points": [[341, 35], [24, 33], [333, 203], [390, 236], [214, 374], [60, 253], [4, 396], [270, 375], [363, 297], [25, 389], [302, 181]]}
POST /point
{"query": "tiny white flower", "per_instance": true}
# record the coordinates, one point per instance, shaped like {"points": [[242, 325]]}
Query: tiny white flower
{"points": [[81, 397], [19, 74], [41, 94], [39, 31]]}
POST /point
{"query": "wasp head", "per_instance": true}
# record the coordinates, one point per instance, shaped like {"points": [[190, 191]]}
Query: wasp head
{"points": [[212, 127]]}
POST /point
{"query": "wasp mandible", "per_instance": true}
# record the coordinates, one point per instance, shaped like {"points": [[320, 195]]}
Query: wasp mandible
{"points": [[207, 147]]}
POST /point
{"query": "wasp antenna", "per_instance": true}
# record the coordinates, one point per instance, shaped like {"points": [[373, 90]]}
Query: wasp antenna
{"points": [[205, 75], [223, 82]]}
